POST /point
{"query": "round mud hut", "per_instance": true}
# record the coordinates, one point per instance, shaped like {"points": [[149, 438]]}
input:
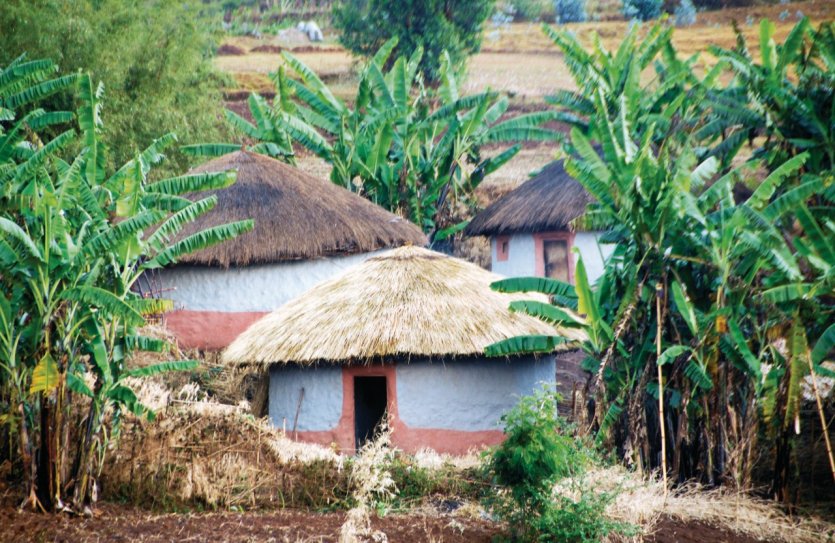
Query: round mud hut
{"points": [[402, 334], [306, 230], [530, 229]]}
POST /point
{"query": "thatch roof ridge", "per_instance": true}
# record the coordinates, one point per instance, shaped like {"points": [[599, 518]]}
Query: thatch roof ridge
{"points": [[297, 216], [405, 302], [548, 201]]}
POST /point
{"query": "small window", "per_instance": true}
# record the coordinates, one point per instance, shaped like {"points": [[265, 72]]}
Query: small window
{"points": [[555, 256], [502, 248]]}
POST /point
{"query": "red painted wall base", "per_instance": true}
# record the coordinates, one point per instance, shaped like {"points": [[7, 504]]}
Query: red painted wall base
{"points": [[403, 437], [208, 330]]}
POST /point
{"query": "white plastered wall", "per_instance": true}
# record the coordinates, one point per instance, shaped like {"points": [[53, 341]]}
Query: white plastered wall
{"points": [[252, 288]]}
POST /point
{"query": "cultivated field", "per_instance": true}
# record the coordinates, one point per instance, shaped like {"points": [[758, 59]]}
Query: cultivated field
{"points": [[517, 59]]}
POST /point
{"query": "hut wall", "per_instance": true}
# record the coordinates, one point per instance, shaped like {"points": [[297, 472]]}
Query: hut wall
{"points": [[451, 406], [213, 305], [320, 408], [521, 257], [470, 394], [594, 253]]}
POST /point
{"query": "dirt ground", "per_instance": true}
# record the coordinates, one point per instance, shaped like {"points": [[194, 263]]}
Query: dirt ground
{"points": [[121, 524]]}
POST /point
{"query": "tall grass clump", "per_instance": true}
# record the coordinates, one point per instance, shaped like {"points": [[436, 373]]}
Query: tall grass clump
{"points": [[539, 471]]}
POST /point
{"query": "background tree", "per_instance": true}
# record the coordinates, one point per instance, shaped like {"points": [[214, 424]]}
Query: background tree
{"points": [[434, 26], [155, 57]]}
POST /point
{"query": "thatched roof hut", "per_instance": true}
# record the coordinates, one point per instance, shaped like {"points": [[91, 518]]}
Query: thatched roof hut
{"points": [[532, 231], [401, 335], [406, 302], [545, 203], [306, 230], [297, 216]]}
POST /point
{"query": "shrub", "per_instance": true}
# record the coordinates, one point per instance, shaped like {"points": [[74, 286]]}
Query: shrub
{"points": [[538, 453], [685, 13], [642, 10], [436, 26], [570, 11], [154, 58]]}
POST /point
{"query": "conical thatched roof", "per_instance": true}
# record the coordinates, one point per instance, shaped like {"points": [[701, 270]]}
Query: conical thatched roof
{"points": [[297, 216], [405, 302], [547, 202]]}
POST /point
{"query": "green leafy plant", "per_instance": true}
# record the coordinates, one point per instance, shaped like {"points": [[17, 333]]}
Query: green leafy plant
{"points": [[539, 453], [154, 56], [413, 150], [74, 238], [712, 296]]}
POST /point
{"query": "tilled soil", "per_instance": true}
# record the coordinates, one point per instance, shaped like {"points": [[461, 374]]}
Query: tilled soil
{"points": [[673, 530], [122, 524]]}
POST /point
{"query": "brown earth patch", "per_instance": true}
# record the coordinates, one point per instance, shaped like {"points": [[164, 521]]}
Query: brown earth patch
{"points": [[316, 49], [227, 49], [267, 48], [116, 523], [673, 530]]}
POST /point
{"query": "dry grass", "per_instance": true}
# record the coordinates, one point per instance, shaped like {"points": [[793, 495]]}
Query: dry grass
{"points": [[405, 302], [201, 451], [642, 503], [371, 481], [297, 216]]}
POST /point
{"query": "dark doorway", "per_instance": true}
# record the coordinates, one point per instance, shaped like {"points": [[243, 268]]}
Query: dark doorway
{"points": [[370, 402]]}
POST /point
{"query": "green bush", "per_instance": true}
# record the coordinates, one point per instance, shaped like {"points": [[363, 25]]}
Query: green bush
{"points": [[538, 454], [642, 10], [153, 57], [435, 26]]}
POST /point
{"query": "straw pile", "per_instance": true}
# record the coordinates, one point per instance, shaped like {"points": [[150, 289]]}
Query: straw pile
{"points": [[406, 302], [202, 452], [297, 216]]}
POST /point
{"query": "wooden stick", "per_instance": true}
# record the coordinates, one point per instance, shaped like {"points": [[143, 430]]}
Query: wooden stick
{"points": [[298, 409], [659, 293], [822, 417]]}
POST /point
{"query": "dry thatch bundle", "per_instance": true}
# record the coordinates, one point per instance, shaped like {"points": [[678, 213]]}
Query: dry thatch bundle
{"points": [[219, 455], [297, 216], [547, 202], [406, 302]]}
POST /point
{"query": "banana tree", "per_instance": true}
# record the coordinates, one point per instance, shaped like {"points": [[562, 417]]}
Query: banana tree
{"points": [[687, 313], [411, 149], [782, 105], [74, 238]]}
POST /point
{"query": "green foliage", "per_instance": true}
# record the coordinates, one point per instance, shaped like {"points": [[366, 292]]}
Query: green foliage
{"points": [[410, 149], [74, 237], [642, 10], [431, 26], [538, 453], [787, 98], [746, 280], [154, 57]]}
